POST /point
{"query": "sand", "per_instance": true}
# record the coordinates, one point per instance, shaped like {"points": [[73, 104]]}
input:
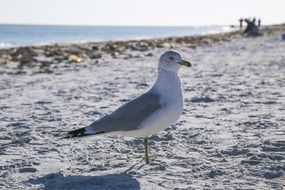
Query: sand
{"points": [[231, 134]]}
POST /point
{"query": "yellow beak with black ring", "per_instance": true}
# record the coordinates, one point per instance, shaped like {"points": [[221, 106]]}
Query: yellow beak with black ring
{"points": [[185, 63]]}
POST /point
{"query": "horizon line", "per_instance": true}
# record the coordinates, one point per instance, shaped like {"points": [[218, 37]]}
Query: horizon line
{"points": [[113, 25]]}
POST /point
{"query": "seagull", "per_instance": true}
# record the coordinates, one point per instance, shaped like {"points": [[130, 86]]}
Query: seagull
{"points": [[148, 114]]}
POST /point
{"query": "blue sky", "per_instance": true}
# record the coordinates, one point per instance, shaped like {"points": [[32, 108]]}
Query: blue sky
{"points": [[140, 12]]}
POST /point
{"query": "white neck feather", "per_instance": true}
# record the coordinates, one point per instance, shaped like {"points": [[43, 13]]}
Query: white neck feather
{"points": [[167, 82]]}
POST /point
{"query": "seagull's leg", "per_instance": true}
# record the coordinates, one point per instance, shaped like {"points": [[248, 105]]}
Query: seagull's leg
{"points": [[146, 150]]}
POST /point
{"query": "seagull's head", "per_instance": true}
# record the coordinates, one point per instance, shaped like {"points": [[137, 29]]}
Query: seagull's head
{"points": [[171, 61]]}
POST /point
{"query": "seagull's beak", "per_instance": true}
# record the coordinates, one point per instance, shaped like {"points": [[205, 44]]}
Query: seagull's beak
{"points": [[185, 63]]}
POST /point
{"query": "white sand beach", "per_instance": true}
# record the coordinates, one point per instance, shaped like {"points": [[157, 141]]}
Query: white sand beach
{"points": [[231, 134]]}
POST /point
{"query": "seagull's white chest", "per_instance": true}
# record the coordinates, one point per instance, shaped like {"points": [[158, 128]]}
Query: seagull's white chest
{"points": [[168, 86]]}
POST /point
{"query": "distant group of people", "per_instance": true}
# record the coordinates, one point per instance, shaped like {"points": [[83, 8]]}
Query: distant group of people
{"points": [[251, 28]]}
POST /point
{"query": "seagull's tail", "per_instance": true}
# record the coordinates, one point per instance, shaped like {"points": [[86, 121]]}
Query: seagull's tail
{"points": [[81, 132]]}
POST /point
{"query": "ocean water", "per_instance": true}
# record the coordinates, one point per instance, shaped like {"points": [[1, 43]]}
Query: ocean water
{"points": [[24, 35]]}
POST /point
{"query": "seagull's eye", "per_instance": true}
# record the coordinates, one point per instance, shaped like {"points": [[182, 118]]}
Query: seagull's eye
{"points": [[171, 58]]}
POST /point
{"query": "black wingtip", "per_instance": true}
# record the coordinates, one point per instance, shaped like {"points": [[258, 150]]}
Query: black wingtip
{"points": [[79, 133], [75, 133]]}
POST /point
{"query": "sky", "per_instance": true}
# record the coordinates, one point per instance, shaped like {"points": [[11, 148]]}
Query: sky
{"points": [[140, 12]]}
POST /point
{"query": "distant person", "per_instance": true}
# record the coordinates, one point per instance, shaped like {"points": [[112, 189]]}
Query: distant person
{"points": [[240, 23], [259, 22], [253, 21], [248, 25]]}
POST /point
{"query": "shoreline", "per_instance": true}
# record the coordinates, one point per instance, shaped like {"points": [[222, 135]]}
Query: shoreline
{"points": [[99, 33], [43, 58]]}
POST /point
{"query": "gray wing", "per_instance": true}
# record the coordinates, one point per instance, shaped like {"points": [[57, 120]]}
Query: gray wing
{"points": [[128, 117]]}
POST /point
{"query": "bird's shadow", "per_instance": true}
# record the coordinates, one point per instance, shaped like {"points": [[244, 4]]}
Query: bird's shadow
{"points": [[54, 181]]}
